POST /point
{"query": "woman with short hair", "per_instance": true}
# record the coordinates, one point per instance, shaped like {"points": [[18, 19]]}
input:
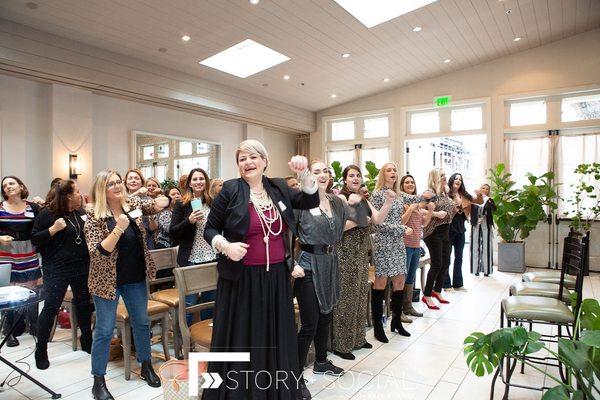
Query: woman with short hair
{"points": [[247, 226]]}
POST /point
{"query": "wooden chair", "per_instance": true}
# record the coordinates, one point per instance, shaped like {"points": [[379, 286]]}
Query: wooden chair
{"points": [[166, 260], [195, 279]]}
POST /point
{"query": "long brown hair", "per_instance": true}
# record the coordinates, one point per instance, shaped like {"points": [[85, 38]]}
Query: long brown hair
{"points": [[345, 173], [59, 202], [402, 183], [188, 194]]}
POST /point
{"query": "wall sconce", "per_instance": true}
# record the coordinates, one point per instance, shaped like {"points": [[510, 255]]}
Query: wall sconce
{"points": [[74, 168]]}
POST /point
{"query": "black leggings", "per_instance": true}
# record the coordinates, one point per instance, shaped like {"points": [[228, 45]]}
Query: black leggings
{"points": [[438, 244], [314, 324], [55, 289]]}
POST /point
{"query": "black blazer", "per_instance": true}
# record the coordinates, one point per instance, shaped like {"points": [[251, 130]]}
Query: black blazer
{"points": [[182, 231], [229, 216]]}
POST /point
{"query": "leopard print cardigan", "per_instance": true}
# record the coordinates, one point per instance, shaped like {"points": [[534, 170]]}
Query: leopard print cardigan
{"points": [[102, 280]]}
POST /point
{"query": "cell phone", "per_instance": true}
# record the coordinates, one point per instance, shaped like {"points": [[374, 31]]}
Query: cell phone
{"points": [[196, 204]]}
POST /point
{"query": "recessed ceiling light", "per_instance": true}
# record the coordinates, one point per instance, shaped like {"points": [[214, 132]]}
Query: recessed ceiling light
{"points": [[508, 12], [386, 79], [286, 77], [375, 12], [245, 59], [516, 39], [186, 38], [254, 1], [417, 29], [346, 55], [333, 96], [447, 60]]}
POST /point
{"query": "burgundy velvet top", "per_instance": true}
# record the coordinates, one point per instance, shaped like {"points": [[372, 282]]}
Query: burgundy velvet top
{"points": [[257, 252]]}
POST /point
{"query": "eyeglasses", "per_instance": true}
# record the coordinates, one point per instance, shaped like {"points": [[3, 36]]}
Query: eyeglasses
{"points": [[111, 185]]}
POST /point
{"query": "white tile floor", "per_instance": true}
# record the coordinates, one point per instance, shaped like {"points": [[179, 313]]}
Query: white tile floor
{"points": [[428, 365]]}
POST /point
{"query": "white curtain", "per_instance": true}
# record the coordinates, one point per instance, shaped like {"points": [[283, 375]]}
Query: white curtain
{"points": [[528, 155]]}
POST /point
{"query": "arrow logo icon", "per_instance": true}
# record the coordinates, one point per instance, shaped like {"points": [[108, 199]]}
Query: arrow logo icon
{"points": [[212, 380]]}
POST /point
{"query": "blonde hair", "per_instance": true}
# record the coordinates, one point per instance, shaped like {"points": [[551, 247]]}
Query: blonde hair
{"points": [[381, 178], [434, 182], [252, 146], [213, 187], [101, 209], [155, 180]]}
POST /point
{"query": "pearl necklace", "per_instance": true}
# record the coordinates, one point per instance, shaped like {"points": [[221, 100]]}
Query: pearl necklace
{"points": [[268, 215]]}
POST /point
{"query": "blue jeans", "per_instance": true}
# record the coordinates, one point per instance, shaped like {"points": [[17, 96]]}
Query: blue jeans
{"points": [[457, 241], [413, 255], [135, 296]]}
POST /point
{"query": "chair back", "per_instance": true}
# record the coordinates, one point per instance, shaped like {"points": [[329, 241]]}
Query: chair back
{"points": [[573, 264], [164, 259], [194, 279]]}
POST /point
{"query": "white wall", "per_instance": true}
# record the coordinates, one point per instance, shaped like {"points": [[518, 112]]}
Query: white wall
{"points": [[41, 123]]}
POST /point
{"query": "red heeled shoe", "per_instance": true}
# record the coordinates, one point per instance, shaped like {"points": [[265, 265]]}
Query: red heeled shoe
{"points": [[437, 296], [434, 307]]}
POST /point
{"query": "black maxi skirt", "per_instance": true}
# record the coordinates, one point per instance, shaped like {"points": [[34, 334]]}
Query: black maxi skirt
{"points": [[256, 314]]}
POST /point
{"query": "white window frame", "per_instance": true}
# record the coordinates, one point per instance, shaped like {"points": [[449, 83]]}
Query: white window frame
{"points": [[553, 100], [359, 140]]}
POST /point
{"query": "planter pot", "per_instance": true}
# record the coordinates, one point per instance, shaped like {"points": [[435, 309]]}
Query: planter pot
{"points": [[511, 257]]}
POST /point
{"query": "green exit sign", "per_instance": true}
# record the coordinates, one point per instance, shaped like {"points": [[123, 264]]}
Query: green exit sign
{"points": [[442, 101]]}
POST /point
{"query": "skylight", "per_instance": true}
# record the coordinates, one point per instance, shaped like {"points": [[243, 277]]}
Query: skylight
{"points": [[375, 12], [245, 59]]}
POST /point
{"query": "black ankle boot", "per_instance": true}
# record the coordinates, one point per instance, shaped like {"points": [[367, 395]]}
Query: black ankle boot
{"points": [[99, 390], [396, 324], [41, 356], [86, 342], [149, 375], [12, 341], [377, 313]]}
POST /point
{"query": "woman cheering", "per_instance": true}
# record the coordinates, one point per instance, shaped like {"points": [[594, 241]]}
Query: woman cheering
{"points": [[253, 310]]}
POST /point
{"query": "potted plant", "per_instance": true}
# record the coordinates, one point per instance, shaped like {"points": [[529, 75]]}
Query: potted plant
{"points": [[371, 175], [580, 356], [585, 205], [518, 212], [338, 180]]}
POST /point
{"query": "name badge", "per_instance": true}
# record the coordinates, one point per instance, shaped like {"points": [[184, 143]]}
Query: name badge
{"points": [[315, 211], [282, 206], [83, 217], [135, 213], [29, 214]]}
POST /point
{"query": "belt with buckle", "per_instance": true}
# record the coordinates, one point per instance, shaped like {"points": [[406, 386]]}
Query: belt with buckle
{"points": [[318, 249]]}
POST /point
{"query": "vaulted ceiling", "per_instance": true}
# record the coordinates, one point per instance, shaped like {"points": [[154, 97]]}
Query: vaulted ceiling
{"points": [[314, 34]]}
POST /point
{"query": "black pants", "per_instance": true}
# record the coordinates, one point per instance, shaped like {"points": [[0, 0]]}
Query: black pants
{"points": [[438, 244], [314, 324], [55, 288], [457, 242]]}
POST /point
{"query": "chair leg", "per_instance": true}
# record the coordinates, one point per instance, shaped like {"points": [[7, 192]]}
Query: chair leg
{"points": [[523, 361], [74, 324], [125, 328], [164, 327], [510, 368], [500, 366], [176, 333]]}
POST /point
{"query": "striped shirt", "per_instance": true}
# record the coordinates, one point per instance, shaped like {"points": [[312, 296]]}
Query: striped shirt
{"points": [[20, 254], [415, 222]]}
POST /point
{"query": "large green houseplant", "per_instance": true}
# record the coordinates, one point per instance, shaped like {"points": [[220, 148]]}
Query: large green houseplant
{"points": [[585, 197], [581, 357], [518, 211]]}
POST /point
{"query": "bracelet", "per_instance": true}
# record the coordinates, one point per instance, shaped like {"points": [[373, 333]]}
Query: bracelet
{"points": [[118, 235], [121, 231]]}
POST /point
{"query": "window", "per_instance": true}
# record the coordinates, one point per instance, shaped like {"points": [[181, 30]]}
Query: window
{"points": [[466, 119], [343, 130], [379, 155], [148, 152], [463, 154], [367, 138], [580, 108], [528, 113], [425, 122], [376, 127], [185, 148], [528, 155], [168, 157]]}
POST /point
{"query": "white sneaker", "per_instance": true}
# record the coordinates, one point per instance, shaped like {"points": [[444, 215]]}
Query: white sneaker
{"points": [[461, 289], [449, 290]]}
